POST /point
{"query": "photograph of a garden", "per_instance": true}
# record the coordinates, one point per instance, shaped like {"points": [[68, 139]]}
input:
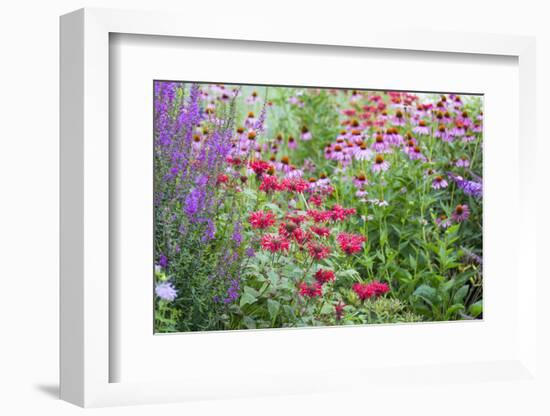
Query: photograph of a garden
{"points": [[285, 207]]}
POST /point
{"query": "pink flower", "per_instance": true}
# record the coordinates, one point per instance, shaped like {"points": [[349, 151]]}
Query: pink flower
{"points": [[461, 213], [339, 213], [439, 182], [380, 165], [261, 220], [298, 185]]}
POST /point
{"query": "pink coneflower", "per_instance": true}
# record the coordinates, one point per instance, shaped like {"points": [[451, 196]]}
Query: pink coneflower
{"points": [[324, 276], [275, 243], [261, 219], [318, 251], [351, 243], [461, 213], [291, 142], [462, 163], [416, 154], [360, 181], [422, 128], [250, 120], [380, 165], [369, 290], [442, 133], [442, 221], [398, 118], [393, 137], [310, 291], [379, 145], [362, 152], [305, 134], [439, 182], [253, 98]]}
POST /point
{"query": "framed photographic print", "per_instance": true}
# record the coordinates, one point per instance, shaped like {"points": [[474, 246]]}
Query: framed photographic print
{"points": [[237, 209]]}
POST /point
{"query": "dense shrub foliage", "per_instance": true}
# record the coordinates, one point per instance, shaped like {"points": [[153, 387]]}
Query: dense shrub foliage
{"points": [[287, 207]]}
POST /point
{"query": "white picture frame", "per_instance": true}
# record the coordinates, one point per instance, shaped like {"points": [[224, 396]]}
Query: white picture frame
{"points": [[85, 182]]}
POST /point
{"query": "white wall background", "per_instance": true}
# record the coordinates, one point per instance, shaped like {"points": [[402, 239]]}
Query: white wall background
{"points": [[29, 187]]}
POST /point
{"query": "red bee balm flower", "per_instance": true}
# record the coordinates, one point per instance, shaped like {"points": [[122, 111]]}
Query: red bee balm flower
{"points": [[324, 276], [339, 310], [259, 166], [275, 243], [369, 290], [261, 219], [295, 185], [339, 213], [310, 291], [320, 231], [318, 251], [351, 243], [222, 178], [270, 183]]}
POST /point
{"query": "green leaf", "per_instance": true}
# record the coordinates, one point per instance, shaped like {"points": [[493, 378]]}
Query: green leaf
{"points": [[247, 299], [461, 294], [476, 308], [249, 322], [273, 308], [426, 293], [453, 309]]}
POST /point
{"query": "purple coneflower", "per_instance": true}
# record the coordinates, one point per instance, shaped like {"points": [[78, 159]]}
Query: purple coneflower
{"points": [[439, 182], [380, 164], [461, 213], [442, 221], [462, 163], [422, 128], [305, 134]]}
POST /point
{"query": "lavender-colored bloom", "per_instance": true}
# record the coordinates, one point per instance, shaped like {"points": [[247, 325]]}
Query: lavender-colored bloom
{"points": [[166, 291], [233, 291], [163, 260], [237, 236], [250, 252]]}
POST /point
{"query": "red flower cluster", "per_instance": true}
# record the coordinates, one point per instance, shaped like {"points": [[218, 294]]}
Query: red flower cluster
{"points": [[292, 230], [337, 213], [369, 290], [261, 219], [270, 183], [275, 243], [295, 185], [259, 167], [339, 310], [351, 243], [310, 291], [324, 276], [222, 178], [318, 251], [320, 231]]}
